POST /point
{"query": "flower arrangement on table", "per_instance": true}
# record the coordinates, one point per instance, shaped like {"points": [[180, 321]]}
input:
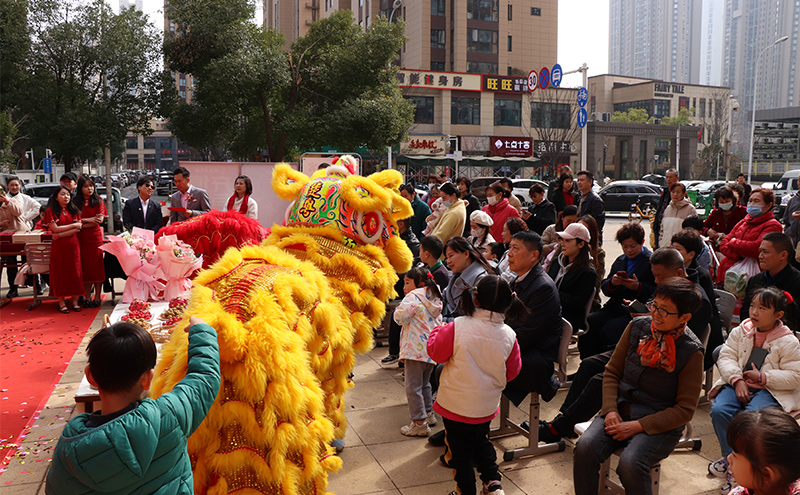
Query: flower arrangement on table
{"points": [[178, 262], [138, 258]]}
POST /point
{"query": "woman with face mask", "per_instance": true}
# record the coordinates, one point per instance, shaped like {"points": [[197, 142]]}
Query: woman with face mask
{"points": [[454, 217], [479, 224], [727, 213], [499, 208], [745, 238]]}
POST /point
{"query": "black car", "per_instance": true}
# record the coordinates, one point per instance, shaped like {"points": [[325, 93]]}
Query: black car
{"points": [[620, 195]]}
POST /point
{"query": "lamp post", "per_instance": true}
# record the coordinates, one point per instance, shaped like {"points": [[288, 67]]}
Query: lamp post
{"points": [[395, 6], [755, 94], [733, 106]]}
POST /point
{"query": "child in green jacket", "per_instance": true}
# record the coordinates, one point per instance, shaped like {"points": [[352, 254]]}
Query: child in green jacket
{"points": [[133, 445]]}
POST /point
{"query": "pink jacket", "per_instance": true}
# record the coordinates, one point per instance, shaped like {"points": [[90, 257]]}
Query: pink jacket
{"points": [[500, 212]]}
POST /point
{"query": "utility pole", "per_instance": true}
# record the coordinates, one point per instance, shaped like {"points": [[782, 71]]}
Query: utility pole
{"points": [[678, 149], [733, 106], [585, 70]]}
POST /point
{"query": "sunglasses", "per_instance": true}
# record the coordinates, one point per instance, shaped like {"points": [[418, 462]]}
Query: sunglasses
{"points": [[150, 186]]}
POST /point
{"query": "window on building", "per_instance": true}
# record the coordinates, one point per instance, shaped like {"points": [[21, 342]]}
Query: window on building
{"points": [[182, 94], [438, 38], [437, 7], [131, 143], [661, 108], [465, 110], [481, 41], [423, 109], [149, 143], [509, 43], [510, 11], [183, 82], [701, 110], [537, 11], [437, 65], [483, 10], [550, 115], [482, 67], [507, 112]]}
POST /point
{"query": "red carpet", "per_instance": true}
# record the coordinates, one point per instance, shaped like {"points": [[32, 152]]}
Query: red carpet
{"points": [[35, 348]]}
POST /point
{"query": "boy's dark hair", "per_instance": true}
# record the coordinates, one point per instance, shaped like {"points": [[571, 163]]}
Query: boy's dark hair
{"points": [[536, 189], [119, 354], [669, 258], [53, 203], [146, 179], [323, 165], [465, 180], [409, 188], [181, 170], [433, 245], [448, 188], [531, 240], [497, 248], [493, 294], [767, 438], [630, 231], [774, 298], [781, 242], [690, 240], [740, 175], [693, 222], [682, 292], [422, 276]]}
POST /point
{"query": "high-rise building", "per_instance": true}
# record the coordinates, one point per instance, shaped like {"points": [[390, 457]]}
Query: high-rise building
{"points": [[481, 36], [711, 42], [655, 39], [126, 4], [750, 27]]}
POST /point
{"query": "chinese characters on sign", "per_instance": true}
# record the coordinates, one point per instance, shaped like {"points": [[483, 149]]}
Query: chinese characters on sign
{"points": [[511, 146], [430, 145], [566, 147], [505, 84], [439, 80]]}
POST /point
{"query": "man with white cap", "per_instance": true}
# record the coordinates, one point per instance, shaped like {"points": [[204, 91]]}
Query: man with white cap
{"points": [[479, 235], [573, 273]]}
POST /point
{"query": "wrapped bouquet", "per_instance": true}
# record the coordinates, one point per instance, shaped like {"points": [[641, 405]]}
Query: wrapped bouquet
{"points": [[137, 255], [178, 262]]}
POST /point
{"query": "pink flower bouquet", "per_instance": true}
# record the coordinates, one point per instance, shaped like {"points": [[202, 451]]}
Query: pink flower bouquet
{"points": [[136, 253], [178, 262]]}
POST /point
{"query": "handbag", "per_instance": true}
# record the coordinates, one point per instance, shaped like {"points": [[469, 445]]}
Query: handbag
{"points": [[737, 276]]}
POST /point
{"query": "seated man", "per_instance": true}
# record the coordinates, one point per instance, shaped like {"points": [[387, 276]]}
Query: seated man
{"points": [[584, 398], [539, 334], [630, 278], [774, 257]]}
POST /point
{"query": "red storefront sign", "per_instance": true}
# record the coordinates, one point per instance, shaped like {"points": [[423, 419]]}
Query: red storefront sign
{"points": [[511, 146]]}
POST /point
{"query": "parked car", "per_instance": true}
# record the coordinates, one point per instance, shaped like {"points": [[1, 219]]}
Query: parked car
{"points": [[621, 194], [522, 188], [689, 183], [42, 191], [117, 203], [657, 179], [164, 184]]}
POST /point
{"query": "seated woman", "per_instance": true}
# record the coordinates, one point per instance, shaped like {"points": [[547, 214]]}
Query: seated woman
{"points": [[598, 257], [725, 215], [468, 266], [745, 238], [511, 227], [480, 224], [549, 236], [650, 391], [574, 274]]}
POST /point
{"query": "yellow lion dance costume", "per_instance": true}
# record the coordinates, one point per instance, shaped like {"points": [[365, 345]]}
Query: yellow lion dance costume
{"points": [[290, 315]]}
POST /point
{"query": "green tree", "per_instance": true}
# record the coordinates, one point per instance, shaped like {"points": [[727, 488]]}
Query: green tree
{"points": [[335, 86], [632, 116], [91, 77], [684, 117]]}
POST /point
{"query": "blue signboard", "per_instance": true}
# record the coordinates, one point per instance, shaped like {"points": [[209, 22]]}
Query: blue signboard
{"points": [[556, 75], [544, 77], [583, 97], [582, 118], [48, 165]]}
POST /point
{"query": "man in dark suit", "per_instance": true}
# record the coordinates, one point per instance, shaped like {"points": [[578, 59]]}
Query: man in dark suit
{"points": [[589, 203], [142, 211], [542, 213], [193, 199], [539, 334], [774, 257]]}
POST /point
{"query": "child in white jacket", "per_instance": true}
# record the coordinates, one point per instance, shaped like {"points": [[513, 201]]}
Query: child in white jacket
{"points": [[418, 313], [750, 383]]}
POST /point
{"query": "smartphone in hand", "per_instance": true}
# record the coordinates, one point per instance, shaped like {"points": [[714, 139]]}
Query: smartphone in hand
{"points": [[622, 274], [637, 307]]}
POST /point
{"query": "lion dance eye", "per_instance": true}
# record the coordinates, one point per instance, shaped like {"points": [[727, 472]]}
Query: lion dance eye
{"points": [[369, 226]]}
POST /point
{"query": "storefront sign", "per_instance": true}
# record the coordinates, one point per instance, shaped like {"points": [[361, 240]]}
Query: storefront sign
{"points": [[440, 80], [511, 146], [554, 147], [429, 145], [505, 84]]}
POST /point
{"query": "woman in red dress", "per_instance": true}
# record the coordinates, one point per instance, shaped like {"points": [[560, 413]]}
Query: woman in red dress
{"points": [[90, 237], [64, 218]]}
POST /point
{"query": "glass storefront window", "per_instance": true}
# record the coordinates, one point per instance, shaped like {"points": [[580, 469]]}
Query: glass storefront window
{"points": [[507, 112], [423, 109], [465, 110]]}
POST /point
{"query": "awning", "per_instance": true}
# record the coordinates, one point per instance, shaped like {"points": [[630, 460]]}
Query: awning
{"points": [[468, 161]]}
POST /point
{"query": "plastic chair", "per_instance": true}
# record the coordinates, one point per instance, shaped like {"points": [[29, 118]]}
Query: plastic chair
{"points": [[726, 303], [508, 427], [38, 255]]}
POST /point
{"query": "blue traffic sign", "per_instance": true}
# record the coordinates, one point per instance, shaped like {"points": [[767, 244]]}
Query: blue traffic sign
{"points": [[544, 77], [556, 75], [48, 165], [582, 118], [583, 97]]}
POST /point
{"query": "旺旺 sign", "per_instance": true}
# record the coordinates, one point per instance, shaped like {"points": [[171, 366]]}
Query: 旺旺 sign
{"points": [[431, 145]]}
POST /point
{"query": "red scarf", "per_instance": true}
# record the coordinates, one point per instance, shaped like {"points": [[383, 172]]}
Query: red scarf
{"points": [[658, 350], [243, 207]]}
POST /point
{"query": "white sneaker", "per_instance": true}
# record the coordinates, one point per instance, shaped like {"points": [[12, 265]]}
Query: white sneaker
{"points": [[493, 488], [719, 468], [729, 485], [432, 419], [416, 430]]}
